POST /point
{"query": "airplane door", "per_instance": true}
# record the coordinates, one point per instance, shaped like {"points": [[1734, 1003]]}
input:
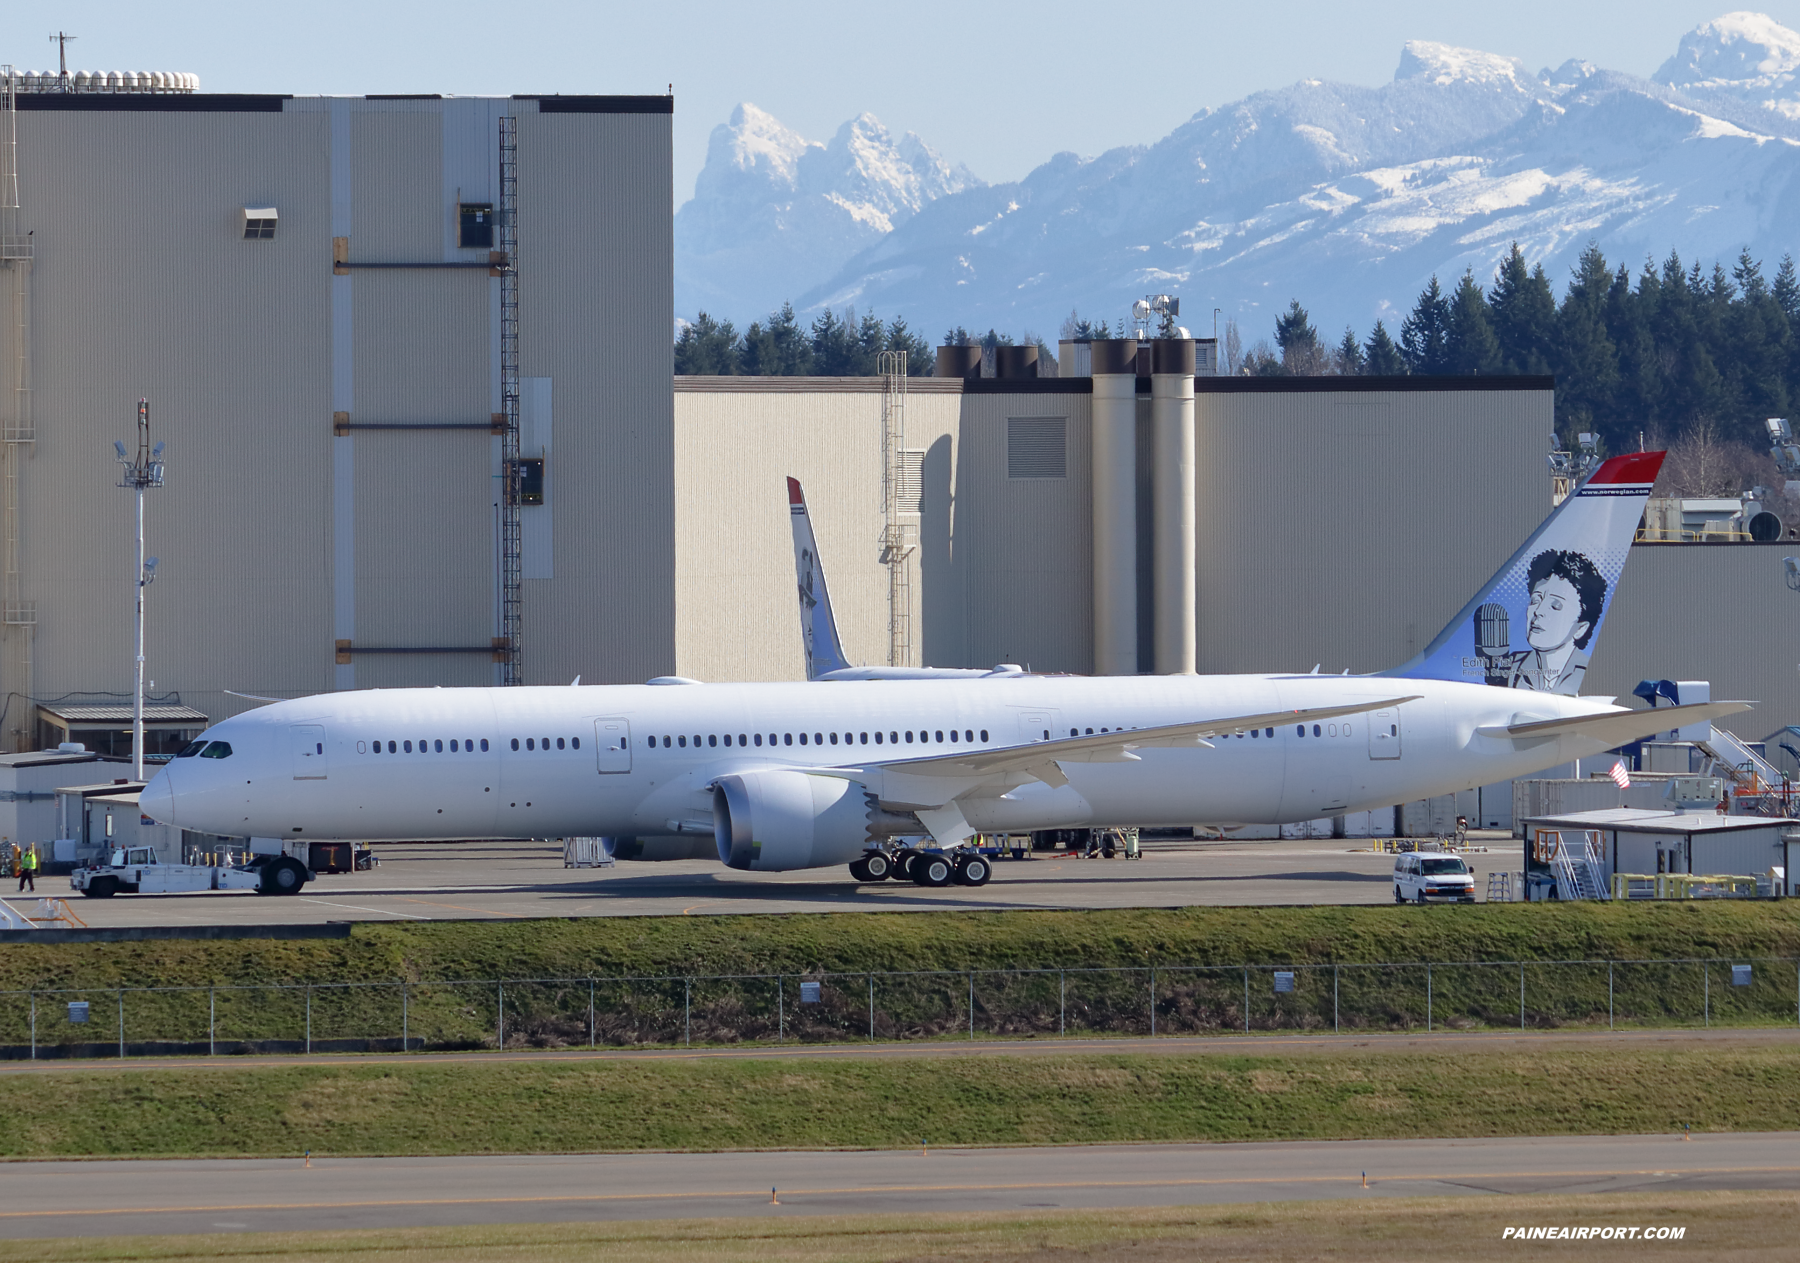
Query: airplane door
{"points": [[1037, 725], [1384, 734], [309, 752], [612, 745]]}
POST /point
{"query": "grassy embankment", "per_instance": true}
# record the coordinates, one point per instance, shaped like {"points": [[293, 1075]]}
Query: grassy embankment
{"points": [[731, 1104], [1743, 1226], [426, 955]]}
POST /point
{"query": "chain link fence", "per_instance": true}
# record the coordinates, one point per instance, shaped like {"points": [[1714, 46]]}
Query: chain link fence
{"points": [[814, 1008]]}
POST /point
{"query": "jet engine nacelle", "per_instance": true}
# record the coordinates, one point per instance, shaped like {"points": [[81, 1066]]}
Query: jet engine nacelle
{"points": [[771, 822]]}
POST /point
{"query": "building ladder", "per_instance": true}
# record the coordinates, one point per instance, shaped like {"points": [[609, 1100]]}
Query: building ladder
{"points": [[900, 505], [508, 647], [18, 616]]}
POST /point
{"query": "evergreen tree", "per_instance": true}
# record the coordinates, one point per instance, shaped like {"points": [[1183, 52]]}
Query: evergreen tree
{"points": [[1350, 355], [921, 358], [1425, 335], [1587, 367], [1302, 354], [707, 347], [1381, 357], [778, 349], [1523, 312], [1787, 291], [1470, 345]]}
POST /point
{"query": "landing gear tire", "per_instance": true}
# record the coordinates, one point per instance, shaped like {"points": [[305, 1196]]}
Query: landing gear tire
{"points": [[903, 860], [875, 866], [932, 870], [975, 870], [283, 876]]}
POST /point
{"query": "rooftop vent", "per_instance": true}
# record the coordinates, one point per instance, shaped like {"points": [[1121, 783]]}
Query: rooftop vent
{"points": [[92, 81]]}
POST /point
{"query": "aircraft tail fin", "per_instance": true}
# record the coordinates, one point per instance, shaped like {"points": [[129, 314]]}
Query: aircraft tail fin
{"points": [[1552, 595], [818, 627]]}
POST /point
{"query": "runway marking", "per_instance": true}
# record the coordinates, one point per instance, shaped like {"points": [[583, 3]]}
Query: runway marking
{"points": [[1032, 1186], [358, 908], [486, 912]]}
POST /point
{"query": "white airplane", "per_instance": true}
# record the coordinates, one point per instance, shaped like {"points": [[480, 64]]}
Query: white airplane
{"points": [[794, 775]]}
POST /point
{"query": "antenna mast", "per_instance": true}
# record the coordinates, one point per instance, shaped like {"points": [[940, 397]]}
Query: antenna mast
{"points": [[62, 39]]}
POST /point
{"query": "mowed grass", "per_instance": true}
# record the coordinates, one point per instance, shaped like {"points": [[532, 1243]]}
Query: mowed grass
{"points": [[855, 942], [1743, 1226], [746, 1104]]}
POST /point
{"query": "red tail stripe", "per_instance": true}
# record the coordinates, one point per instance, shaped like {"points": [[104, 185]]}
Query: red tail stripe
{"points": [[1634, 467], [794, 496]]}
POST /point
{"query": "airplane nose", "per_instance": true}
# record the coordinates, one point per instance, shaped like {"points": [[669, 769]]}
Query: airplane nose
{"points": [[158, 799]]}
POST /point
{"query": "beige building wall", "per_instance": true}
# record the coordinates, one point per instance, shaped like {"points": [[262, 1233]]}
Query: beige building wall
{"points": [[1716, 612], [1345, 527], [277, 537]]}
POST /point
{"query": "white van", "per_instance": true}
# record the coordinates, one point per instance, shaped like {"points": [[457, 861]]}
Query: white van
{"points": [[1418, 878]]}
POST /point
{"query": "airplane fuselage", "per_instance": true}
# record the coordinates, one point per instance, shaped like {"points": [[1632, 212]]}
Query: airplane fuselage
{"points": [[640, 760]]}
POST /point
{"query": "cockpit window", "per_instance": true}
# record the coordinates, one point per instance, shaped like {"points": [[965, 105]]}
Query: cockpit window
{"points": [[217, 750], [191, 749]]}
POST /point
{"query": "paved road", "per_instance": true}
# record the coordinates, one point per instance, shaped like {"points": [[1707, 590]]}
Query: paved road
{"points": [[47, 1199], [1162, 1045], [501, 881]]}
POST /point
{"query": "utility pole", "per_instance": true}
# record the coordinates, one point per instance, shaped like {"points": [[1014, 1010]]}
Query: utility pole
{"points": [[143, 472], [61, 40]]}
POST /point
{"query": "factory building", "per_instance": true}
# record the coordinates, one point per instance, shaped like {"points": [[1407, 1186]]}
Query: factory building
{"points": [[411, 361], [347, 347]]}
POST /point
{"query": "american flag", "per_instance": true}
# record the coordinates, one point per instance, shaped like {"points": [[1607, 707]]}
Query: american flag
{"points": [[1620, 778]]}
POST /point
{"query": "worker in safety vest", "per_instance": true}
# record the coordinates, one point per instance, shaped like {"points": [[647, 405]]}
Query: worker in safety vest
{"points": [[28, 865]]}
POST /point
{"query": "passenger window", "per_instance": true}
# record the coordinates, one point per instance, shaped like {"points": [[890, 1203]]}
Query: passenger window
{"points": [[217, 750], [1269, 733], [939, 735], [192, 748], [865, 738], [453, 745], [1346, 730], [818, 738], [575, 743], [759, 738], [712, 740], [834, 738], [1299, 730], [787, 738], [968, 734], [909, 736], [438, 746], [727, 739], [483, 746], [1255, 733], [741, 739], [531, 743], [877, 738], [1331, 730], [984, 734], [1072, 732], [802, 738], [682, 742], [515, 743], [1315, 730], [407, 746], [953, 736], [696, 741]]}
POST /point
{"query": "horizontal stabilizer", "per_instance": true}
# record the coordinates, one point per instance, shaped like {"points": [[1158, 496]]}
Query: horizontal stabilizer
{"points": [[1615, 727]]}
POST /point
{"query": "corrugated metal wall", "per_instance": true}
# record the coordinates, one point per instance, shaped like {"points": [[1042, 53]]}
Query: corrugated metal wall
{"points": [[597, 309], [143, 286], [1718, 612], [1346, 529]]}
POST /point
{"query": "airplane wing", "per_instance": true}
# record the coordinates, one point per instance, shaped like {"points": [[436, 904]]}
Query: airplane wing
{"points": [[1615, 727], [1039, 759]]}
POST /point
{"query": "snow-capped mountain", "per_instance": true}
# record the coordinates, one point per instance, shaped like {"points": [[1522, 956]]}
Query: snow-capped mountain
{"points": [[1348, 198], [774, 214]]}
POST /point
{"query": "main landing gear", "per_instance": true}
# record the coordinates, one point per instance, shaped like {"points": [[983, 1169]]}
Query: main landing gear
{"points": [[962, 867]]}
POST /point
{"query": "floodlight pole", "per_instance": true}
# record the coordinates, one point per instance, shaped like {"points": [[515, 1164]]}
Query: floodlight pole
{"points": [[143, 472]]}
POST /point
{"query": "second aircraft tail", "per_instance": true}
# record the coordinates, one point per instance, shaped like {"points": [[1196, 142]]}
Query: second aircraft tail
{"points": [[818, 627]]}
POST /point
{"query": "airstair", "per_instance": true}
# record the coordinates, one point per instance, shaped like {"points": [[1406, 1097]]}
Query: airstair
{"points": [[1578, 871], [1756, 782]]}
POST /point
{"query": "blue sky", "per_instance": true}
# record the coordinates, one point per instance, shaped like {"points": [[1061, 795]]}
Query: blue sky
{"points": [[998, 87]]}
